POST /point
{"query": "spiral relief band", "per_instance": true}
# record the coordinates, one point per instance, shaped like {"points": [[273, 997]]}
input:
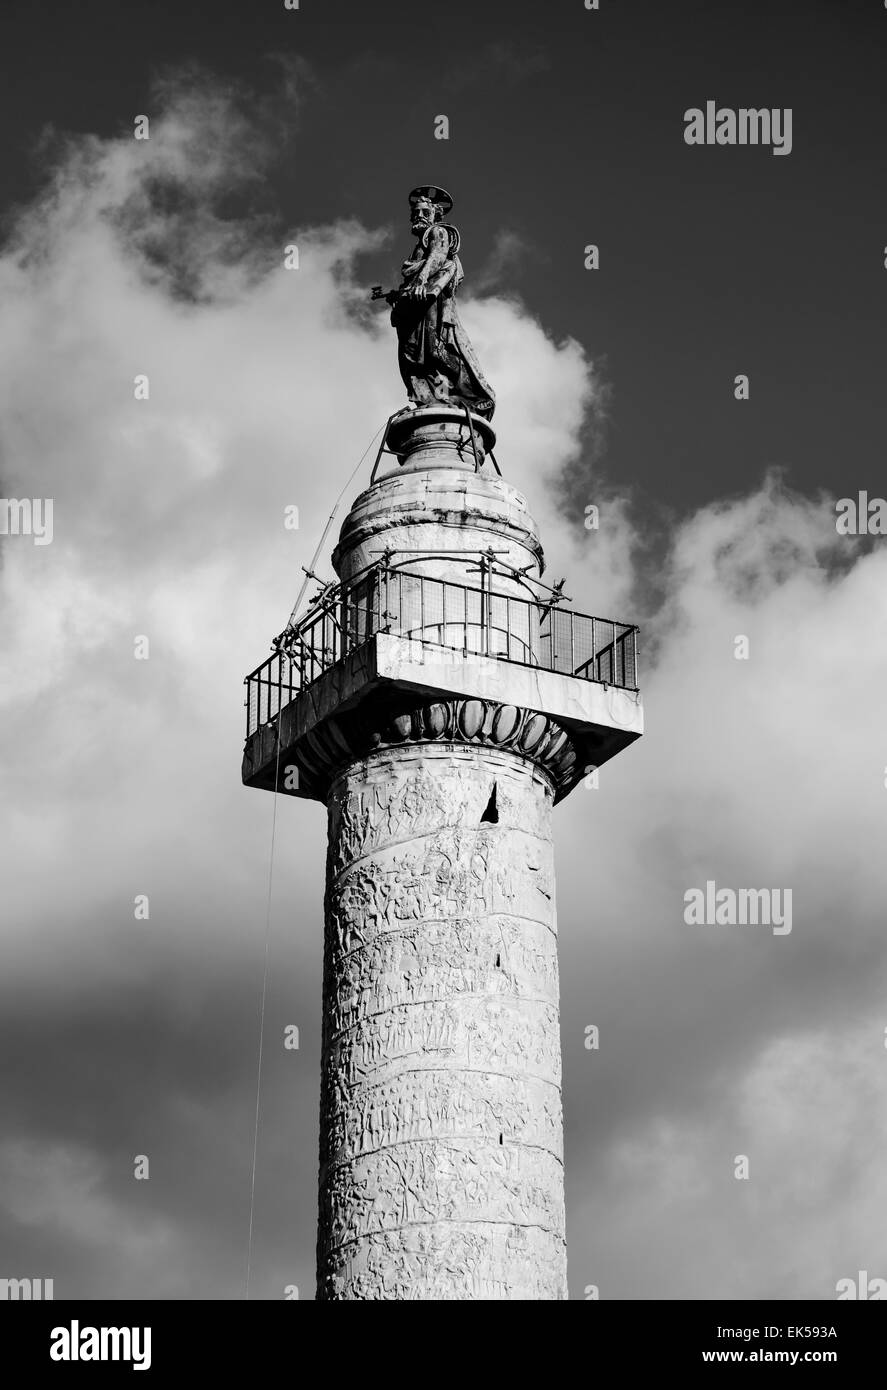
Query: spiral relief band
{"points": [[441, 1154]]}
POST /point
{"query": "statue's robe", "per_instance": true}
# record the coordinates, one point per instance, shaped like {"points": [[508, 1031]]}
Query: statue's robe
{"points": [[435, 356]]}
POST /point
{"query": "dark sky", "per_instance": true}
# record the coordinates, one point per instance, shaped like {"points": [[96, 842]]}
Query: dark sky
{"points": [[566, 126]]}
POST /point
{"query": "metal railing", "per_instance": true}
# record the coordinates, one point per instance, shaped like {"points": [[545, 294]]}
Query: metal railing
{"points": [[474, 621]]}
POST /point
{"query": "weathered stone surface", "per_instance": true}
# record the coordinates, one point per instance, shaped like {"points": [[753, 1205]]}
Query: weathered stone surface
{"points": [[449, 515], [448, 1261], [441, 1129]]}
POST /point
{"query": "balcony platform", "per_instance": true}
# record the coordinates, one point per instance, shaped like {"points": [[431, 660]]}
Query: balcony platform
{"points": [[365, 699]]}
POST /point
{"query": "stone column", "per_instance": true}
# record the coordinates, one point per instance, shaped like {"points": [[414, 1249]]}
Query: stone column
{"points": [[440, 711], [441, 1133]]}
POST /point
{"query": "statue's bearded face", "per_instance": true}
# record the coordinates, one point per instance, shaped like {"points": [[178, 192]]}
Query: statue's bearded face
{"points": [[422, 215]]}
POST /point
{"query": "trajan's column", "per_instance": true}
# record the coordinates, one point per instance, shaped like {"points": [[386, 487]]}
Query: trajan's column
{"points": [[440, 699]]}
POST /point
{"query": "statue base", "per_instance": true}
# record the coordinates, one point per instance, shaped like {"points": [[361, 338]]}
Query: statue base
{"points": [[440, 435]]}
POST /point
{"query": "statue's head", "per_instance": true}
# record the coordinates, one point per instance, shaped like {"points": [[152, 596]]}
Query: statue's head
{"points": [[428, 204]]}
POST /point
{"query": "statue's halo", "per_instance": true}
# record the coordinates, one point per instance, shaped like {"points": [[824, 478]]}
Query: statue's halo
{"points": [[440, 196]]}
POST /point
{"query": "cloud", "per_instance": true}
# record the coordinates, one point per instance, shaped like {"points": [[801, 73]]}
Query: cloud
{"points": [[123, 776], [765, 772], [669, 1219], [509, 250]]}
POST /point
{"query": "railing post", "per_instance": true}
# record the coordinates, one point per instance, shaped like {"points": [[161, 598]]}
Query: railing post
{"points": [[483, 606], [491, 574], [490, 606]]}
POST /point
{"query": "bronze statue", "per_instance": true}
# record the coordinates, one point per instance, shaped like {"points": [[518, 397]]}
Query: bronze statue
{"points": [[435, 356]]}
